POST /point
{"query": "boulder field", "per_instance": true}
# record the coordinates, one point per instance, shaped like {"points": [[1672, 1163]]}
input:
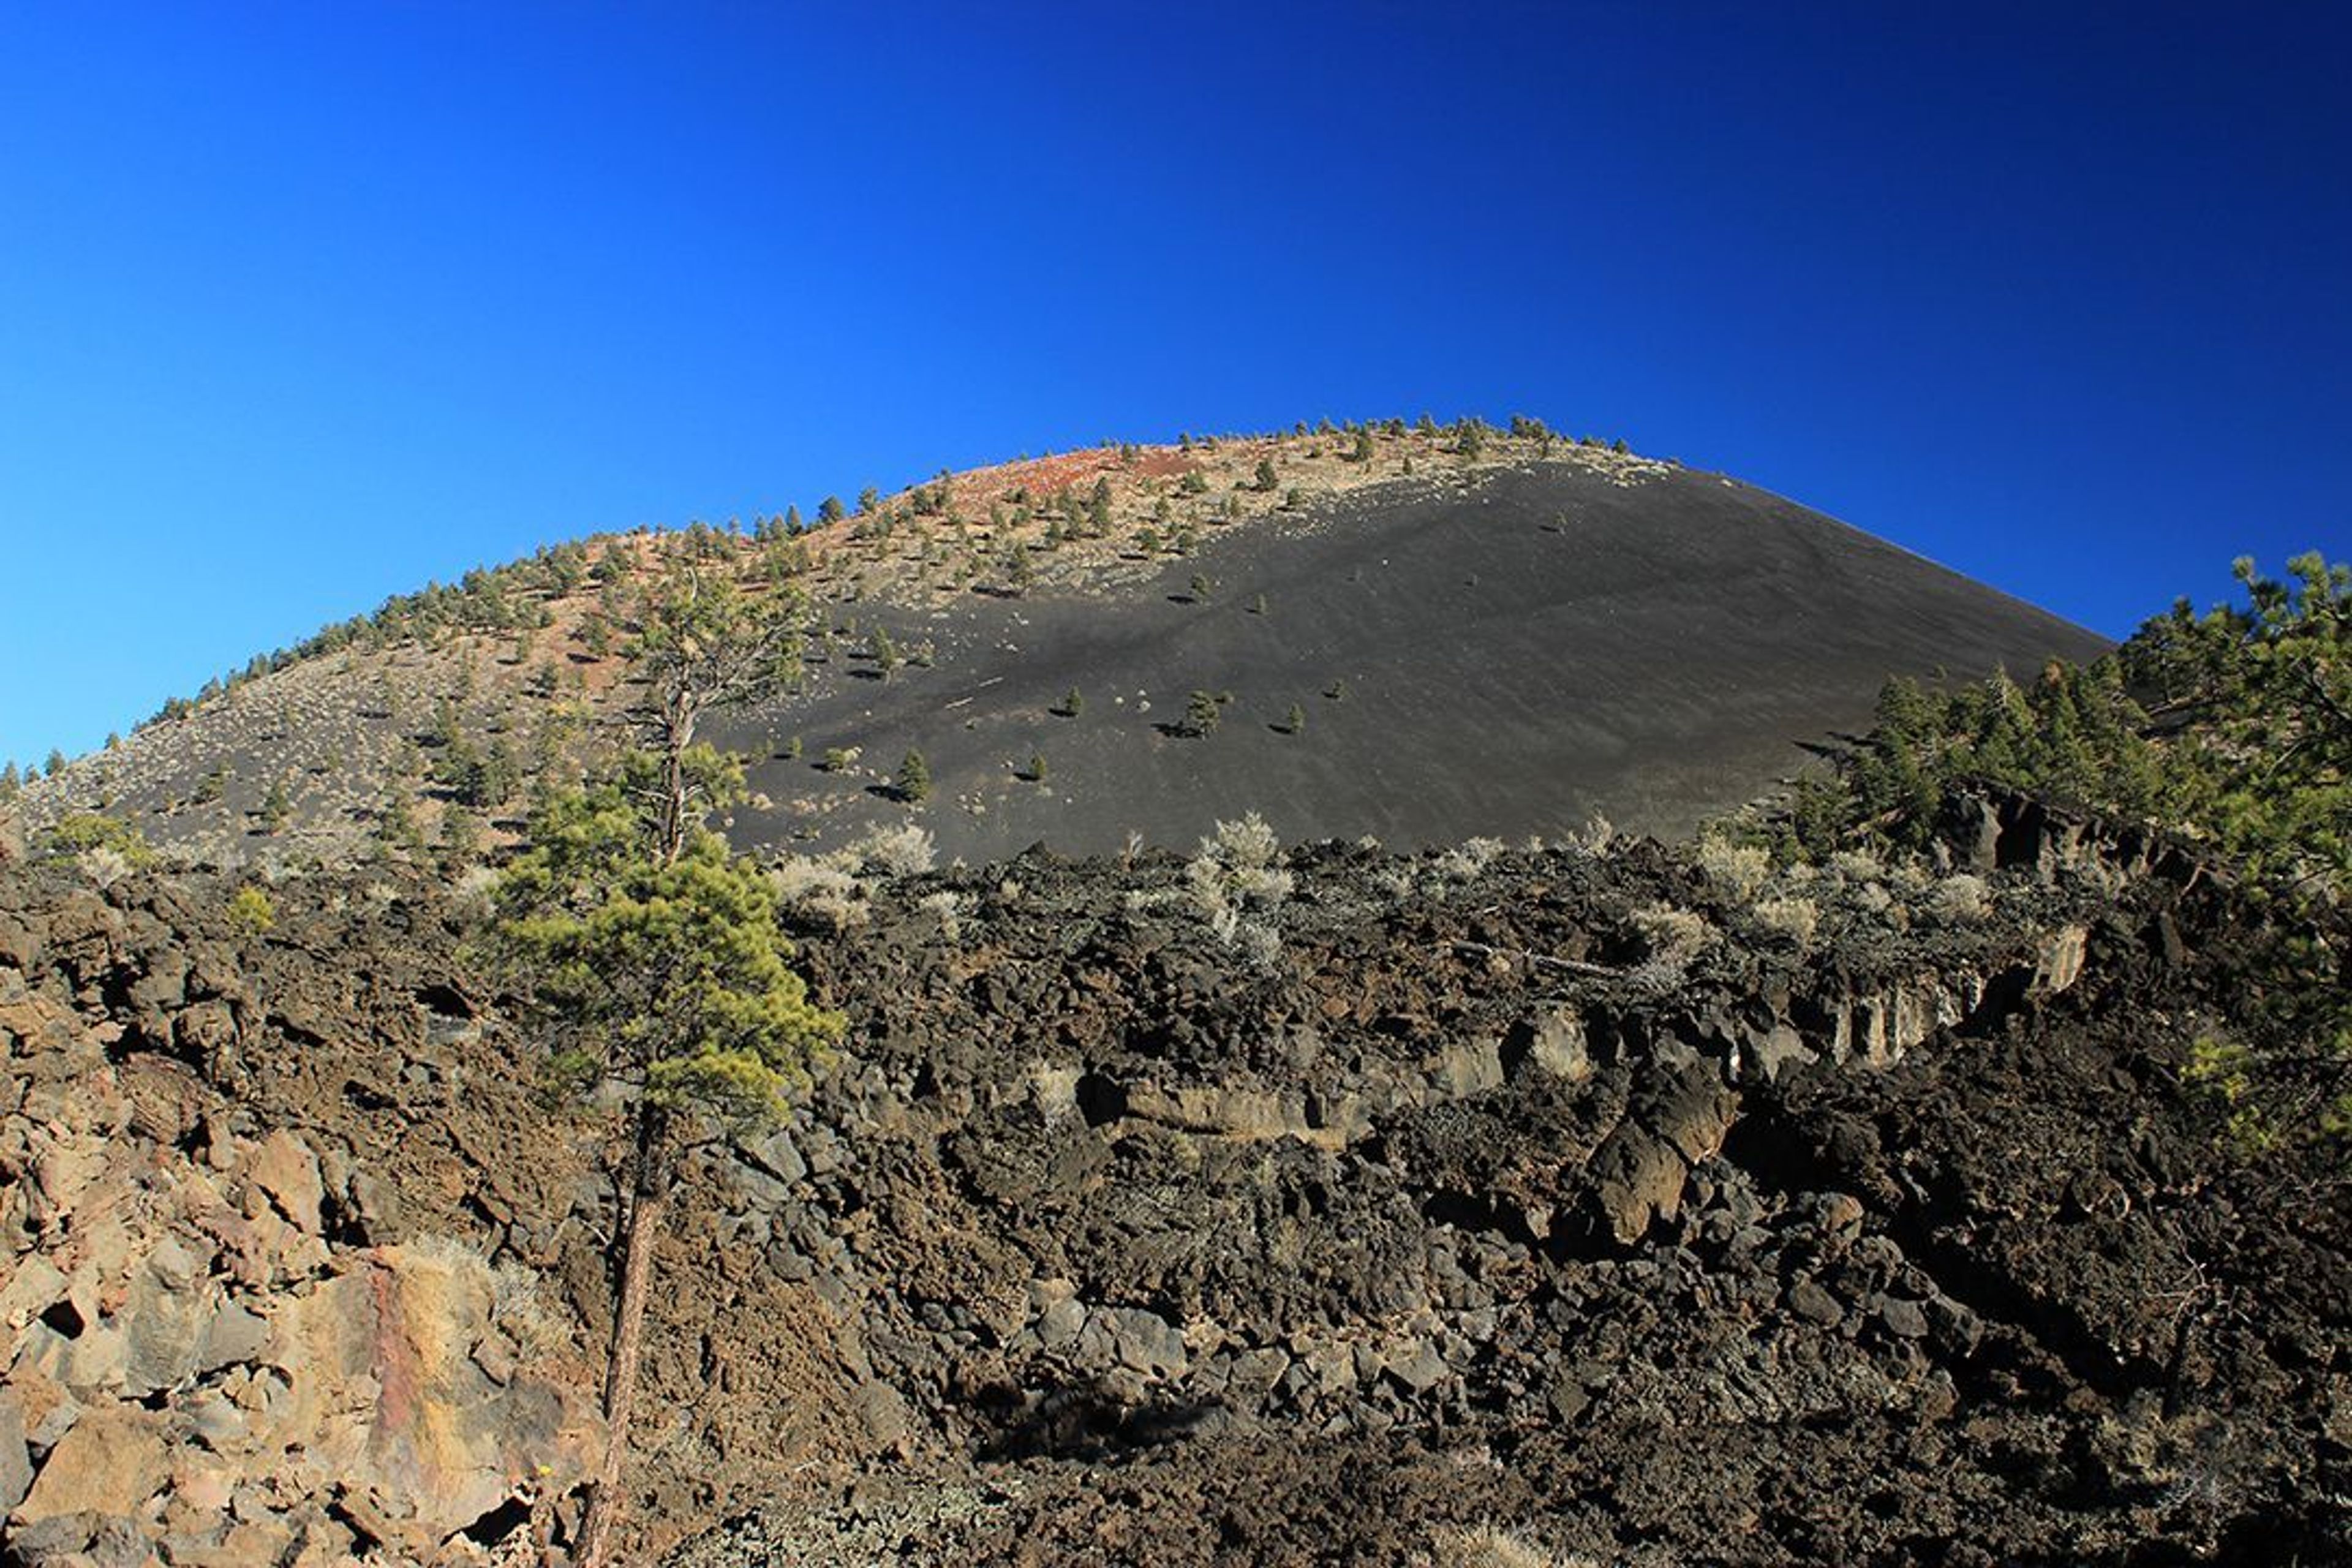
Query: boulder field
{"points": [[1617, 1204]]}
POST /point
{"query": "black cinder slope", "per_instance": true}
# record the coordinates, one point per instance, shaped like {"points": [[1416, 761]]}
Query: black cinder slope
{"points": [[1502, 652]]}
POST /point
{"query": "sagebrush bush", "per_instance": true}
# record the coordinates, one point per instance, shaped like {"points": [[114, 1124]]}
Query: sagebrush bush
{"points": [[1737, 870], [1795, 918], [1467, 860], [947, 907], [1671, 938], [905, 850], [823, 889], [1960, 899], [1491, 1546]]}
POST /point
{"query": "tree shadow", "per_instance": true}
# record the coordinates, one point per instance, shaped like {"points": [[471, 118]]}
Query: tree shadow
{"points": [[1085, 1421]]}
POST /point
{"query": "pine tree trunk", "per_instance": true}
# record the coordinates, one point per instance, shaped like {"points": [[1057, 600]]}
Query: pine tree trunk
{"points": [[641, 1229]]}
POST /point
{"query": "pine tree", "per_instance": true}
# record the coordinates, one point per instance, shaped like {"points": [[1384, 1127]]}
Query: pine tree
{"points": [[913, 782], [651, 951], [395, 826], [661, 970], [276, 806]]}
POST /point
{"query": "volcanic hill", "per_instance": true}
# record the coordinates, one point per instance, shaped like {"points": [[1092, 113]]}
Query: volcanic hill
{"points": [[1418, 635], [1284, 1199]]}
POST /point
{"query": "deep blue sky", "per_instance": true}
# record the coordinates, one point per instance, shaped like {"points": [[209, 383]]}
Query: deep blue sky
{"points": [[302, 305]]}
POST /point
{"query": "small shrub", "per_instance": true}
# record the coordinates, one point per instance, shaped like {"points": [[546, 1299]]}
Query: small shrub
{"points": [[1796, 918], [1960, 899], [1491, 1546], [823, 888], [1593, 838], [1737, 870], [1858, 865], [1671, 938], [1072, 703], [947, 907], [1237, 867], [251, 909], [1201, 713], [840, 759], [1466, 861], [905, 850], [86, 832]]}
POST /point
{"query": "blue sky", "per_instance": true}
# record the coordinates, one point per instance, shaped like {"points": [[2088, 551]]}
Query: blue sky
{"points": [[303, 305]]}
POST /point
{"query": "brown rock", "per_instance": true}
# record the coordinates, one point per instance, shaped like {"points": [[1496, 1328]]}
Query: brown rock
{"points": [[111, 1463], [285, 1168], [1693, 1117], [1637, 1177], [16, 1464]]}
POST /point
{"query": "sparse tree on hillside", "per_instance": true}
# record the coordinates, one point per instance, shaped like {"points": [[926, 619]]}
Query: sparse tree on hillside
{"points": [[914, 779], [830, 510], [1266, 478], [702, 645], [1201, 713], [1019, 575], [56, 764], [276, 806], [461, 840], [396, 824]]}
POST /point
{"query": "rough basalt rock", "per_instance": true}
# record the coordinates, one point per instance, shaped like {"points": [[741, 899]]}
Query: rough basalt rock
{"points": [[1098, 1244]]}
